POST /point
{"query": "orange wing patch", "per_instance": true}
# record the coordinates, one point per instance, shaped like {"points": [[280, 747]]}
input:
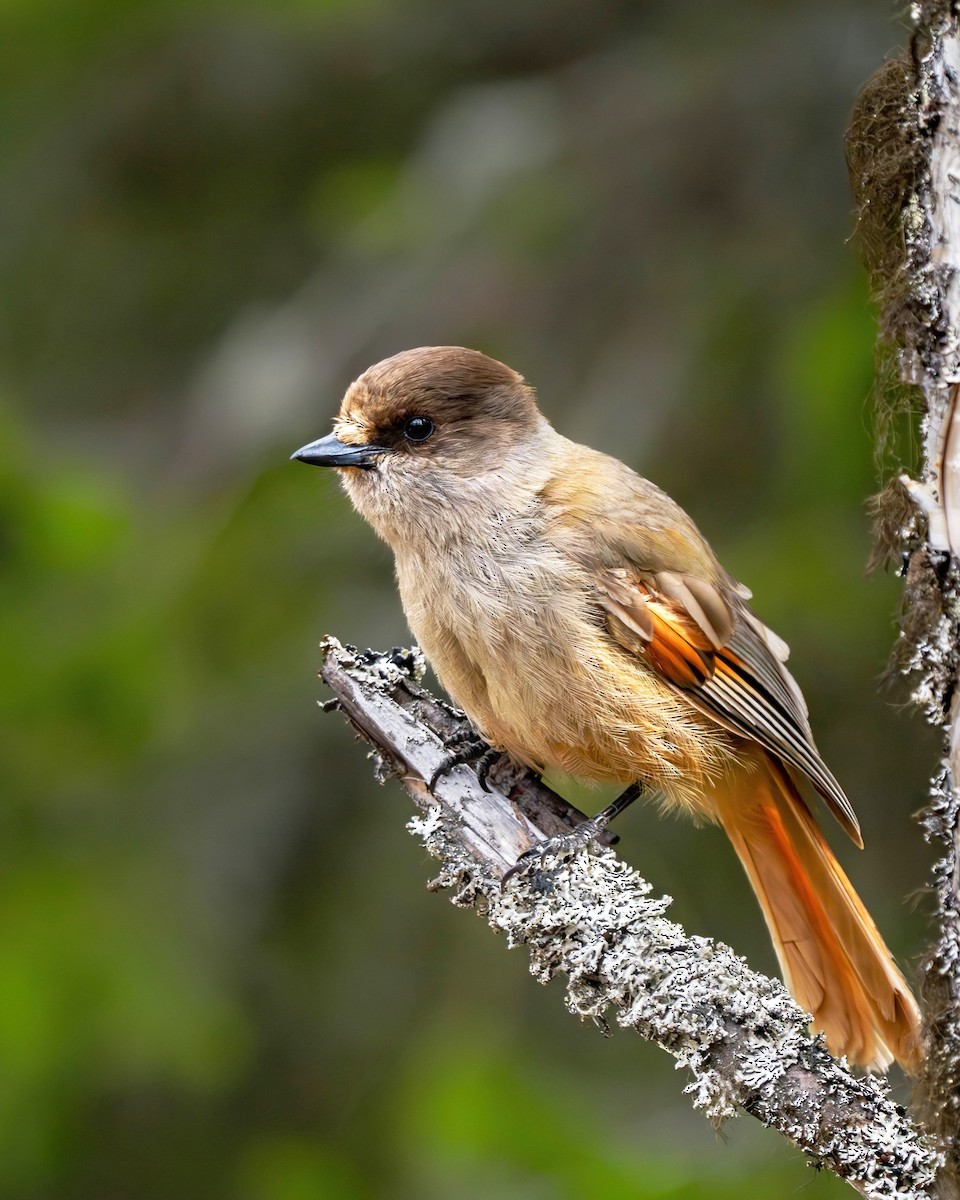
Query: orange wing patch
{"points": [[679, 650], [664, 632]]}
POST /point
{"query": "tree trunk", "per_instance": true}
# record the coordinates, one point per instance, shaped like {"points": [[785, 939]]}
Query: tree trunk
{"points": [[904, 156]]}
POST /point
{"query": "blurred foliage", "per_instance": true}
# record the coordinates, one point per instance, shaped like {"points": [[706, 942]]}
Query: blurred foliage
{"points": [[219, 972]]}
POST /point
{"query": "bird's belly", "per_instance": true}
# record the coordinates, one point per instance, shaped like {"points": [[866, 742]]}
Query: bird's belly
{"points": [[547, 684]]}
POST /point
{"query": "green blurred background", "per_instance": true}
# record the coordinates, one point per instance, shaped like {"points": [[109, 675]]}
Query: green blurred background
{"points": [[220, 973]]}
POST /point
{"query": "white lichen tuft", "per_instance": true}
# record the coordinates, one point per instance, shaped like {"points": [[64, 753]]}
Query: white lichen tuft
{"points": [[381, 669]]}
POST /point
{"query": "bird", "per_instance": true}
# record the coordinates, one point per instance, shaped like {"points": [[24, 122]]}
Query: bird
{"points": [[580, 619]]}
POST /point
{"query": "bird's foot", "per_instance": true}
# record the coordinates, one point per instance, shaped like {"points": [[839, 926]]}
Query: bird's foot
{"points": [[565, 845], [562, 846], [466, 746]]}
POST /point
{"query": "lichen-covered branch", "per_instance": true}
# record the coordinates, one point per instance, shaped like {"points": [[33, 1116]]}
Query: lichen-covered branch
{"points": [[904, 155], [592, 919]]}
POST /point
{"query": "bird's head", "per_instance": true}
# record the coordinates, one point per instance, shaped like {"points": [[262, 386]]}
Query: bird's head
{"points": [[419, 432]]}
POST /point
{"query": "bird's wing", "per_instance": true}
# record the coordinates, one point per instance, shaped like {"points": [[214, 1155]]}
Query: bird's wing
{"points": [[702, 638]]}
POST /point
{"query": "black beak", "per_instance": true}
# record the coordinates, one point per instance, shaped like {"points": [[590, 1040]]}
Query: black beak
{"points": [[329, 451]]}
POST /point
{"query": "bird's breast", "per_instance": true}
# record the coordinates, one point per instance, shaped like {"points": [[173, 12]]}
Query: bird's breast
{"points": [[500, 618], [496, 606]]}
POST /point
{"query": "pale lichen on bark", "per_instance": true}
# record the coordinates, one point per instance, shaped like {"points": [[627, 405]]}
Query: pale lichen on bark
{"points": [[591, 919]]}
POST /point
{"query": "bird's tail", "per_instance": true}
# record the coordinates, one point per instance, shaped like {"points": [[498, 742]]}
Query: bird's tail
{"points": [[833, 959]]}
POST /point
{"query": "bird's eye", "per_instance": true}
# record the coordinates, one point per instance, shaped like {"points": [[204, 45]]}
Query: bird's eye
{"points": [[417, 429]]}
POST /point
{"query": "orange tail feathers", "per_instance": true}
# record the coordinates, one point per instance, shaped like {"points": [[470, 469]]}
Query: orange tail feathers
{"points": [[833, 959]]}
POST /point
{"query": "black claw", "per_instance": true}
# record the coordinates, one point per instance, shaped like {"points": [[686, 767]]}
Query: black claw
{"points": [[447, 763], [486, 761], [465, 746], [525, 857]]}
